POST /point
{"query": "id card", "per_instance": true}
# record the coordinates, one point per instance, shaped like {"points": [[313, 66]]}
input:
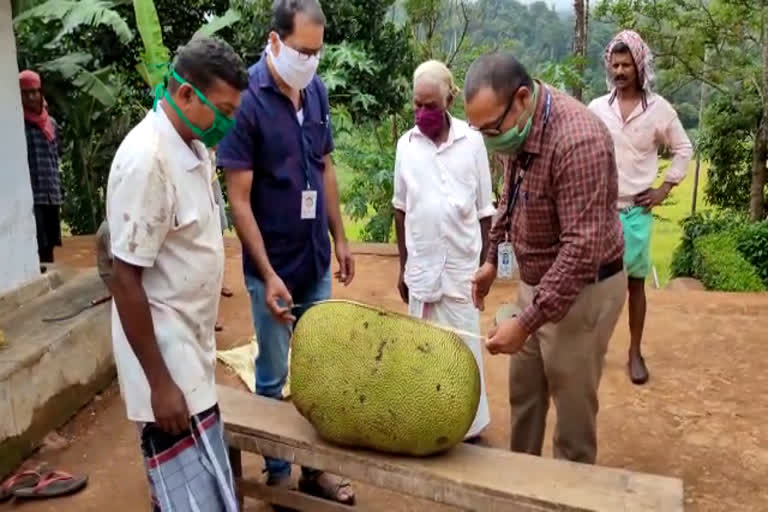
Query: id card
{"points": [[507, 264], [309, 204]]}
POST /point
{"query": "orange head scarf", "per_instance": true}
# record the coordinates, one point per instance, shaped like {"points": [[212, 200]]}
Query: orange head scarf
{"points": [[31, 80]]}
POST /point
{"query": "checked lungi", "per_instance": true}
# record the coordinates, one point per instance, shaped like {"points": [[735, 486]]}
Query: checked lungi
{"points": [[189, 472]]}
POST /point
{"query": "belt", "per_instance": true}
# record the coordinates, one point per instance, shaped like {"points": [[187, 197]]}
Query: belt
{"points": [[609, 269]]}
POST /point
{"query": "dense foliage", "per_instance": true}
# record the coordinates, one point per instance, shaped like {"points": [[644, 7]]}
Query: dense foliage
{"points": [[718, 263], [723, 250]]}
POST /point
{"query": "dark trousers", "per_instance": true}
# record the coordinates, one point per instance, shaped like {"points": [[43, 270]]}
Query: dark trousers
{"points": [[48, 224]]}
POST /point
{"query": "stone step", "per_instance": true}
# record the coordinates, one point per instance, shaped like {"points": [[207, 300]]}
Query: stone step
{"points": [[49, 370]]}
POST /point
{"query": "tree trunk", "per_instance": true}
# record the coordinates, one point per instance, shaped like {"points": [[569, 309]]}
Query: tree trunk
{"points": [[760, 154], [579, 41], [759, 157]]}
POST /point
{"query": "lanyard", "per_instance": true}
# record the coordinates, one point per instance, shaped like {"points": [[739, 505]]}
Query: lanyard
{"points": [[304, 159], [526, 164]]}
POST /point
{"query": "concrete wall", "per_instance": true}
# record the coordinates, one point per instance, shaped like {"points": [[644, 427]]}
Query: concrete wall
{"points": [[19, 262]]}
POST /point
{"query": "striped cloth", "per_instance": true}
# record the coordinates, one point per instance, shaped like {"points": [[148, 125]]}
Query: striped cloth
{"points": [[189, 472]]}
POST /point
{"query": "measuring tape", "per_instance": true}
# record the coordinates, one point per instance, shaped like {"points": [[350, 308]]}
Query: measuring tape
{"points": [[432, 324]]}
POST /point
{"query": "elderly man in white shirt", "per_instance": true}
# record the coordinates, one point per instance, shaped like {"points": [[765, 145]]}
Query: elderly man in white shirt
{"points": [[443, 210], [640, 122]]}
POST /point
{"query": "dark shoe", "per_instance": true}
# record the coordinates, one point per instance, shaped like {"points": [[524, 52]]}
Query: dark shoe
{"points": [[638, 372]]}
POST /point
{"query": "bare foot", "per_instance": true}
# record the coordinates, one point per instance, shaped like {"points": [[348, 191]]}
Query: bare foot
{"points": [[638, 372]]}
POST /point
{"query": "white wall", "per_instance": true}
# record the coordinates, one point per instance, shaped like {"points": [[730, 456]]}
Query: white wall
{"points": [[18, 244]]}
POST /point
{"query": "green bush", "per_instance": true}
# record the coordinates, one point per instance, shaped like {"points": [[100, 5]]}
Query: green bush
{"points": [[718, 263], [695, 226], [752, 241]]}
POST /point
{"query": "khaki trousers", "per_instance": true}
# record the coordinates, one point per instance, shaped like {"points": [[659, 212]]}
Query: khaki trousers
{"points": [[564, 361]]}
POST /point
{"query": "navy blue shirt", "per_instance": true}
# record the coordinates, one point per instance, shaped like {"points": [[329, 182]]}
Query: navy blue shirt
{"points": [[284, 156]]}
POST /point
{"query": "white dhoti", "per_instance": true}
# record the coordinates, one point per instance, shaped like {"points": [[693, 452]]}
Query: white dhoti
{"points": [[460, 315]]}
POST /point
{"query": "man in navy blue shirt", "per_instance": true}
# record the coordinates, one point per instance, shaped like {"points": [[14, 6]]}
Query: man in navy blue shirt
{"points": [[284, 199]]}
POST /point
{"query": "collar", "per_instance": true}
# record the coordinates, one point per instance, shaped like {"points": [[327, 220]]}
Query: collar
{"points": [[533, 143], [182, 156], [264, 78], [645, 98], [457, 130]]}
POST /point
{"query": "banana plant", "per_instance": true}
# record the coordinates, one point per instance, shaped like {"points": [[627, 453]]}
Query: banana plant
{"points": [[156, 57]]}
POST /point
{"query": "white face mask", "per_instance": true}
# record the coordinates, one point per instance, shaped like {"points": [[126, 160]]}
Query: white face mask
{"points": [[295, 69]]}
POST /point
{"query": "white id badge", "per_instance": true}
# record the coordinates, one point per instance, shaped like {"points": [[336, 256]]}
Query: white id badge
{"points": [[506, 262], [309, 204]]}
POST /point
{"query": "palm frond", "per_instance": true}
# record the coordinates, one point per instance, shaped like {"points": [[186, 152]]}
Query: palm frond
{"points": [[217, 23]]}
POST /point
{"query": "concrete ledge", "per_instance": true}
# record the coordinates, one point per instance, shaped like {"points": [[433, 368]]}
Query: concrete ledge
{"points": [[18, 297], [374, 249], [48, 371]]}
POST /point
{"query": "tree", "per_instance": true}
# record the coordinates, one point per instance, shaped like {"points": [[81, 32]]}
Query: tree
{"points": [[581, 13], [723, 44]]}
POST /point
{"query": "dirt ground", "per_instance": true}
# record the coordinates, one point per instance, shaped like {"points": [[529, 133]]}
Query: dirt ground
{"points": [[700, 418]]}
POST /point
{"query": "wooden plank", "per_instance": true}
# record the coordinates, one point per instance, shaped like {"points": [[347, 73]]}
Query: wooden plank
{"points": [[469, 477], [290, 498]]}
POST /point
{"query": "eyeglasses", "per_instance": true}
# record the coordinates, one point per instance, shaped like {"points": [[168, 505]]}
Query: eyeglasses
{"points": [[305, 55], [496, 125]]}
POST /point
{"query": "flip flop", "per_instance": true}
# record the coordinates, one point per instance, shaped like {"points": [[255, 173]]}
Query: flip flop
{"points": [[21, 480], [53, 484]]}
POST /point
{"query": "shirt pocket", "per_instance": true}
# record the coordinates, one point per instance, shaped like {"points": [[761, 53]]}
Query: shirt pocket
{"points": [[316, 133]]}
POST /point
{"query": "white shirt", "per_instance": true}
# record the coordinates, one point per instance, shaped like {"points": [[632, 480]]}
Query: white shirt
{"points": [[637, 142], [162, 217], [444, 193]]}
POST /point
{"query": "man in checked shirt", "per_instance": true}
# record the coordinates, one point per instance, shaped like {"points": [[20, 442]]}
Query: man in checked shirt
{"points": [[565, 232]]}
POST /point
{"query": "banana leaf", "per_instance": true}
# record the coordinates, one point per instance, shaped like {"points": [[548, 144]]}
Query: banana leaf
{"points": [[217, 23], [155, 57]]}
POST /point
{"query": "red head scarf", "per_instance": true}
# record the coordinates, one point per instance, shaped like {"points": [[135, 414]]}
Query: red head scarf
{"points": [[31, 80]]}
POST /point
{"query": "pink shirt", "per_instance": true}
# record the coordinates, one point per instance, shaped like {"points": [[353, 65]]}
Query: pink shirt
{"points": [[638, 139]]}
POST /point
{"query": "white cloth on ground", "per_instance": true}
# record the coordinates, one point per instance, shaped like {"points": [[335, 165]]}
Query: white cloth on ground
{"points": [[461, 315]]}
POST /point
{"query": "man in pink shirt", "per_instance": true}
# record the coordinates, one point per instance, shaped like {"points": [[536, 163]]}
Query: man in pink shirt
{"points": [[641, 122]]}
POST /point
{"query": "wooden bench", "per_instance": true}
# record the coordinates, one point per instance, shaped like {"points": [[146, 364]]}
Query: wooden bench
{"points": [[468, 477]]}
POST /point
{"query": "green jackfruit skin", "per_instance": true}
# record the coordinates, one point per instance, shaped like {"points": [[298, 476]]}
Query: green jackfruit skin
{"points": [[367, 378]]}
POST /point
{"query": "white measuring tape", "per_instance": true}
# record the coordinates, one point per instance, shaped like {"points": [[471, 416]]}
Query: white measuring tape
{"points": [[432, 324]]}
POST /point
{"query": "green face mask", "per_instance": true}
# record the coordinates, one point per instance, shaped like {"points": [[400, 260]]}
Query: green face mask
{"points": [[511, 140], [212, 135]]}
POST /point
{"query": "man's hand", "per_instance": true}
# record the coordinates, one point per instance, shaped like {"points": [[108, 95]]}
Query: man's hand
{"points": [[402, 287], [275, 291], [170, 407], [346, 271], [507, 338], [653, 197], [481, 284]]}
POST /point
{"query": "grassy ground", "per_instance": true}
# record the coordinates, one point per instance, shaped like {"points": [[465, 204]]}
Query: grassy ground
{"points": [[666, 228]]}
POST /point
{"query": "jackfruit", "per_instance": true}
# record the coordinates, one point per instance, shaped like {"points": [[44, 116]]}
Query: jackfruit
{"points": [[368, 378]]}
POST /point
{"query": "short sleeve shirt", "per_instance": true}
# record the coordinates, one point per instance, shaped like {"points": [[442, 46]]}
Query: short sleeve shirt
{"points": [[162, 216], [444, 191], [286, 155]]}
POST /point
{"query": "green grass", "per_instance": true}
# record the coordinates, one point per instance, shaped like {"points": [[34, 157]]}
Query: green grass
{"points": [[667, 230]]}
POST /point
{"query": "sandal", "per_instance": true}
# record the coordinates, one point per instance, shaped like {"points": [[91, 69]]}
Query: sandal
{"points": [[53, 484], [311, 486], [21, 480]]}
